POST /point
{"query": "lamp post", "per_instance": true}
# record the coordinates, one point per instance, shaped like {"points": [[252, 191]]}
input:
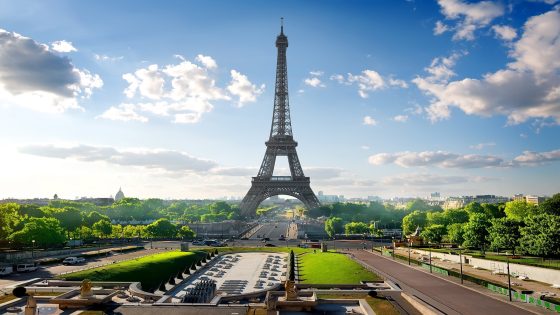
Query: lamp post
{"points": [[33, 249], [393, 245], [509, 279], [461, 264], [409, 245], [430, 248]]}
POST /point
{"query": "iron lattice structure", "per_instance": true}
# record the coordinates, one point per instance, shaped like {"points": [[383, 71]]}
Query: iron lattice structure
{"points": [[281, 143]]}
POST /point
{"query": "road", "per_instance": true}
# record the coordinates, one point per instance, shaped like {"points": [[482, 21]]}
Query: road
{"points": [[53, 270], [445, 296], [271, 230]]}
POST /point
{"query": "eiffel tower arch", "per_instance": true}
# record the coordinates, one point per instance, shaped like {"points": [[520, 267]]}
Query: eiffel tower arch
{"points": [[280, 143]]}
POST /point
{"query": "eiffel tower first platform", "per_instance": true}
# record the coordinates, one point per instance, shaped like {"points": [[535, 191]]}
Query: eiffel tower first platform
{"points": [[280, 143]]}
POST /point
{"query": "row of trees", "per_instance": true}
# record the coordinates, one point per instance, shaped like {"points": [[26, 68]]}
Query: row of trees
{"points": [[351, 218], [515, 225]]}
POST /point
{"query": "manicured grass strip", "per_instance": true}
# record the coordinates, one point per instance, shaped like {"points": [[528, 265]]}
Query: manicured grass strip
{"points": [[150, 270], [379, 305], [331, 267]]}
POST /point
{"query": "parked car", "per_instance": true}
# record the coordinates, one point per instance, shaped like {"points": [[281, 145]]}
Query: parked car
{"points": [[73, 260], [244, 238], [214, 243], [269, 245], [26, 267], [198, 242], [6, 270]]}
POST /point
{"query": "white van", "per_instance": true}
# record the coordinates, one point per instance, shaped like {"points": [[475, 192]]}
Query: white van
{"points": [[6, 270], [26, 268]]}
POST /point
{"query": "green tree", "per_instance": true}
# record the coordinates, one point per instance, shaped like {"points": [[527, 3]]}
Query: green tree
{"points": [[91, 218], [46, 232], [161, 228], [455, 233], [375, 231], [504, 234], [551, 205], [476, 231], [186, 233], [418, 204], [356, 228], [333, 226], [493, 210], [456, 215], [9, 218], [413, 220], [103, 228], [519, 210], [540, 235], [70, 218], [439, 218], [474, 207], [434, 233]]}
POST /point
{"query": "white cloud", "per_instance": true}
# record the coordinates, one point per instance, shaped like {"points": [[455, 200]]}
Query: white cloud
{"points": [[165, 160], [528, 88], [368, 120], [537, 158], [107, 58], [184, 91], [313, 82], [401, 118], [470, 16], [243, 88], [317, 73], [207, 61], [33, 76], [440, 28], [504, 32], [368, 81], [123, 112], [481, 146], [398, 83], [436, 158], [63, 46]]}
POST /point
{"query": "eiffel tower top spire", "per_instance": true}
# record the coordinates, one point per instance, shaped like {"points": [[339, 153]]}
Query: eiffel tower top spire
{"points": [[281, 122]]}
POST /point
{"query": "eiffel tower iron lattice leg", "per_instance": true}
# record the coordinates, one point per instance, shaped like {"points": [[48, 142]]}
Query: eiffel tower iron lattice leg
{"points": [[280, 143]]}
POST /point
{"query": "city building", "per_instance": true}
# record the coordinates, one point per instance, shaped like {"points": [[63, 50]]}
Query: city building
{"points": [[534, 200], [119, 195], [460, 202]]}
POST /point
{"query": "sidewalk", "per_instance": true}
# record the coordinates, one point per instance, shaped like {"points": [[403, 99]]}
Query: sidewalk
{"points": [[473, 286], [516, 284]]}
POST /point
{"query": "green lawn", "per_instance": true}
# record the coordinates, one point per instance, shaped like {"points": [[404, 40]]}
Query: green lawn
{"points": [[331, 267], [150, 270]]}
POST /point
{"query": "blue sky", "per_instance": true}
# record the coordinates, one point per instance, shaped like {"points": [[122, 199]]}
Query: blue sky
{"points": [[174, 99]]}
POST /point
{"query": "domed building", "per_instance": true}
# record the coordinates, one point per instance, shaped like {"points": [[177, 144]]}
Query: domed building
{"points": [[119, 195]]}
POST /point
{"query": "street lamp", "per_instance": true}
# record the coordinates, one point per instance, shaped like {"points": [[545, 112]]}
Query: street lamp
{"points": [[33, 249], [409, 245], [393, 244], [509, 277], [461, 264], [430, 247]]}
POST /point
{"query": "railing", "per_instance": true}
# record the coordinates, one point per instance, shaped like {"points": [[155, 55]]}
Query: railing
{"points": [[281, 178]]}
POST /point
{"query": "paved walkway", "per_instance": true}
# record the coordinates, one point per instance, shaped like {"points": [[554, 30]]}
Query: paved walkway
{"points": [[445, 296], [516, 284]]}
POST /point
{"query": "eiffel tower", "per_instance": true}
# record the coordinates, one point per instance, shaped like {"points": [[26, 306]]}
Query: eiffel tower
{"points": [[280, 143]]}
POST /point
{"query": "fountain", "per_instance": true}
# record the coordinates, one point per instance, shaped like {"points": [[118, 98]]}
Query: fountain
{"points": [[85, 296]]}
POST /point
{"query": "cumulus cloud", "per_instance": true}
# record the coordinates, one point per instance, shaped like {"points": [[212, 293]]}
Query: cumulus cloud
{"points": [[528, 88], [469, 16], [504, 32], [401, 118], [368, 120], [531, 158], [164, 160], [436, 158], [241, 87], [63, 46], [184, 91], [314, 80], [123, 112], [207, 61], [368, 81], [31, 75]]}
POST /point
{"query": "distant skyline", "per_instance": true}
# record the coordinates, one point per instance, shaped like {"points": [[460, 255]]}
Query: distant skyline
{"points": [[174, 99]]}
